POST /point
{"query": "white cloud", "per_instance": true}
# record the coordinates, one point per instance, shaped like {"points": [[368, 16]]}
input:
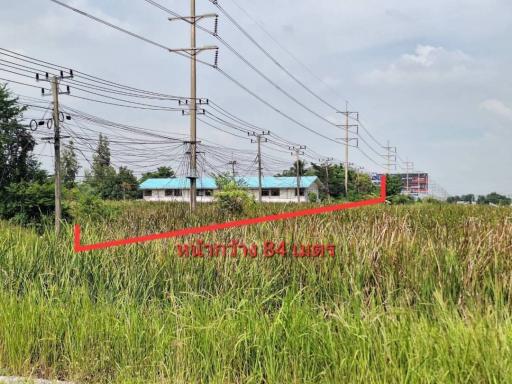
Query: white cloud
{"points": [[497, 107], [426, 64]]}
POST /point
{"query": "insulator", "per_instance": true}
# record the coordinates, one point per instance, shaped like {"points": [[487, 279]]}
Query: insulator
{"points": [[33, 125], [216, 26], [37, 76], [216, 62]]}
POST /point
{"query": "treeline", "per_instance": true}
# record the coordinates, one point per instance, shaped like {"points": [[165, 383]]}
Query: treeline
{"points": [[490, 199], [27, 191], [332, 176]]}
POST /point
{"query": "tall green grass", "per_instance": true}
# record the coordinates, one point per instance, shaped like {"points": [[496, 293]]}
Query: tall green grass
{"points": [[415, 294]]}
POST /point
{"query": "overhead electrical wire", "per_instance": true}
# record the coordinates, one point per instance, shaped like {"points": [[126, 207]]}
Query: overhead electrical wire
{"points": [[238, 83]]}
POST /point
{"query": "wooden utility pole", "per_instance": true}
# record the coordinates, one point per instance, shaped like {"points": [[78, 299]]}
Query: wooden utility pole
{"points": [[259, 138], [193, 51], [347, 139], [56, 146], [298, 151]]}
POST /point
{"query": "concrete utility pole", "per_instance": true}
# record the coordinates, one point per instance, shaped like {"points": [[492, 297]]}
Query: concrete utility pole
{"points": [[259, 138], [233, 164], [193, 51], [409, 167], [56, 116], [298, 151], [56, 146], [193, 107], [327, 163], [347, 139]]}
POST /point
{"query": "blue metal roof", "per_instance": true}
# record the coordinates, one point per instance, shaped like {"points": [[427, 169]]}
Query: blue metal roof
{"points": [[247, 182]]}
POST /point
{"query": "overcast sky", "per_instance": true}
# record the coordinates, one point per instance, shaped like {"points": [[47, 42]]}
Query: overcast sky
{"points": [[432, 77]]}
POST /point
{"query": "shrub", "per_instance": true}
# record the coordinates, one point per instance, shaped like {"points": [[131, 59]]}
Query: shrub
{"points": [[312, 197], [232, 198], [401, 199], [431, 200], [28, 203], [88, 206]]}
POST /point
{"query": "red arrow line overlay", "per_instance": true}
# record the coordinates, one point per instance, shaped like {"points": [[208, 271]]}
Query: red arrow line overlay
{"points": [[230, 224]]}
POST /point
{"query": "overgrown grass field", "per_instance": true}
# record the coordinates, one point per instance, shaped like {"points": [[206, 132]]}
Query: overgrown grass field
{"points": [[417, 294]]}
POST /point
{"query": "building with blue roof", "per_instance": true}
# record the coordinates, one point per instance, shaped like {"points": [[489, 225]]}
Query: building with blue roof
{"points": [[274, 189]]}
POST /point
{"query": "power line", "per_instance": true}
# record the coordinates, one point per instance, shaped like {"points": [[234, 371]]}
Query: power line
{"points": [[120, 29]]}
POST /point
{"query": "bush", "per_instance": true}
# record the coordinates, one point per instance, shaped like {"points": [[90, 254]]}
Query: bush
{"points": [[312, 197], [27, 203], [232, 198], [88, 206], [401, 199], [431, 200]]}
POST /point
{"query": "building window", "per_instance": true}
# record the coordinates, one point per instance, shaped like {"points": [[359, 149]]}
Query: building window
{"points": [[204, 192], [148, 193], [173, 192], [302, 191], [270, 192]]}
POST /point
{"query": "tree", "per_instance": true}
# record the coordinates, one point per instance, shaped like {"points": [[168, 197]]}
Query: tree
{"points": [[17, 163], [127, 183], [101, 159], [393, 185], [105, 182], [335, 183], [303, 171], [160, 173], [363, 184], [103, 178], [70, 166], [25, 194], [494, 198]]}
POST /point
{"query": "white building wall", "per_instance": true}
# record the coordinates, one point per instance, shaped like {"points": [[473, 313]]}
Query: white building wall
{"points": [[286, 196], [159, 195]]}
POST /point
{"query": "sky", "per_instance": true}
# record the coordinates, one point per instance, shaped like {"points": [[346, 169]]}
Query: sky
{"points": [[431, 77]]}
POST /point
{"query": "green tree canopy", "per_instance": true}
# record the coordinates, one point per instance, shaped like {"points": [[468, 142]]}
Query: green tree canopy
{"points": [[25, 193], [17, 163], [301, 165], [393, 185], [70, 165], [160, 173]]}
